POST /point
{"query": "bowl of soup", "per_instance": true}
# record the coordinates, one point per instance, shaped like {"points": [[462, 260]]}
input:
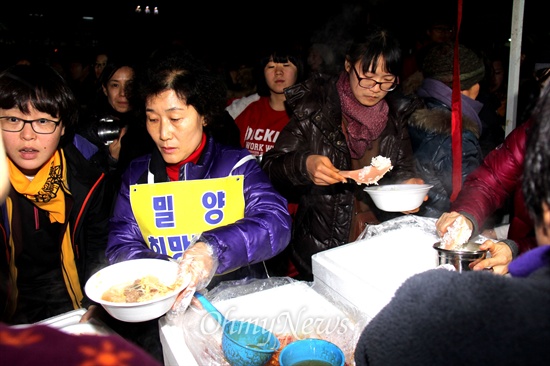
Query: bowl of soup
{"points": [[136, 290]]}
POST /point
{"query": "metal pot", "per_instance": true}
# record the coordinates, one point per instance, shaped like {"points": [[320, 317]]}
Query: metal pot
{"points": [[461, 258]]}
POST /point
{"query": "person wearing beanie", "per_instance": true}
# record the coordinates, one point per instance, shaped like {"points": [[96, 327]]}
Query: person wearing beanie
{"points": [[438, 65], [430, 124]]}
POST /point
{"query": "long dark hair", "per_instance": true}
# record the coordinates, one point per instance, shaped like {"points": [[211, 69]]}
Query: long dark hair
{"points": [[278, 54], [113, 65]]}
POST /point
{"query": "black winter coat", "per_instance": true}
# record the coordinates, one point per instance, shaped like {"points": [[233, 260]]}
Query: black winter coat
{"points": [[324, 216]]}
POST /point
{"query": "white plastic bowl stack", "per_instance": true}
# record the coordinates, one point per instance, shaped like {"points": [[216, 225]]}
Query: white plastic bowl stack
{"points": [[127, 272], [398, 197]]}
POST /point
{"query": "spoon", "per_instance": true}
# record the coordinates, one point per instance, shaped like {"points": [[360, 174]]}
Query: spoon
{"points": [[366, 175]]}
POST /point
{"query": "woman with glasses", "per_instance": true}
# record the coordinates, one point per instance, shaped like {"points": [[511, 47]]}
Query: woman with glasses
{"points": [[339, 123], [53, 224]]}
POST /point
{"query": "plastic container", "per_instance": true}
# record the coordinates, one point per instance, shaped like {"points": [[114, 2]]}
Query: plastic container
{"points": [[311, 351], [243, 343], [69, 322], [291, 311], [369, 271]]}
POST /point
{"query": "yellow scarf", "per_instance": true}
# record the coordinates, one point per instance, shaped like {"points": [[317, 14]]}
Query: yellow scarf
{"points": [[46, 189], [47, 192]]}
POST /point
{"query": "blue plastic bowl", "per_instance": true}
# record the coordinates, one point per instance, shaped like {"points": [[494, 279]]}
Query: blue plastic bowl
{"points": [[312, 349], [247, 344]]}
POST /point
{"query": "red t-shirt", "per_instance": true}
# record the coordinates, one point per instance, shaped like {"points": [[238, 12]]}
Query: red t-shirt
{"points": [[260, 125]]}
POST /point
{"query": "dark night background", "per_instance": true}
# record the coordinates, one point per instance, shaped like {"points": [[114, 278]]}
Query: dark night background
{"points": [[228, 29]]}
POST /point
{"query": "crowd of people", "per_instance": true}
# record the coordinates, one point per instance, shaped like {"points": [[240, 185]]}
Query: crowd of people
{"points": [[108, 134]]}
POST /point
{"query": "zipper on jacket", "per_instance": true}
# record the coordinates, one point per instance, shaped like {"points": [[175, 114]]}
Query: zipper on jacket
{"points": [[36, 219]]}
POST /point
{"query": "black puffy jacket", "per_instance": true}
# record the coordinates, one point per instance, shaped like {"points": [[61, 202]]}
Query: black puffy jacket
{"points": [[324, 215]]}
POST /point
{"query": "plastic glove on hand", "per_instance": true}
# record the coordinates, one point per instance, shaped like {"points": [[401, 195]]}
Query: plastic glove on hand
{"points": [[454, 229], [197, 267]]}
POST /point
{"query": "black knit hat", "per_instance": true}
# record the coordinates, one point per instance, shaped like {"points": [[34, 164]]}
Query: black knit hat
{"points": [[438, 65]]}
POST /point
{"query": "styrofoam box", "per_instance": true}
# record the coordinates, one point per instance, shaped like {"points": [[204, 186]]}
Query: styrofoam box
{"points": [[368, 272], [69, 322], [295, 309]]}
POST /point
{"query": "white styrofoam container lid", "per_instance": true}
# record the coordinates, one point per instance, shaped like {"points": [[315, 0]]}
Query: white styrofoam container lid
{"points": [[368, 272]]}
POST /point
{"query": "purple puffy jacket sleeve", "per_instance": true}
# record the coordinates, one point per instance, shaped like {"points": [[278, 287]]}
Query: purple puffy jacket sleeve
{"points": [[262, 233]]}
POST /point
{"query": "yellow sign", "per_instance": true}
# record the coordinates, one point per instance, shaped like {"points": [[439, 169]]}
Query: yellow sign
{"points": [[171, 214]]}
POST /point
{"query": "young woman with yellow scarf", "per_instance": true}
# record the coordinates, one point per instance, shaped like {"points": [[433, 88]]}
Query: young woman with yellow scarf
{"points": [[45, 347], [53, 224]]}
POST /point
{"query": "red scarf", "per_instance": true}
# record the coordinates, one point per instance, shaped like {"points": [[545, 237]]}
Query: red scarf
{"points": [[173, 170], [365, 124]]}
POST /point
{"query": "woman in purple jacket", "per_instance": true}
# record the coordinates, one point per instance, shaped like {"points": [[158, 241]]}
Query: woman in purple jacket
{"points": [[183, 104]]}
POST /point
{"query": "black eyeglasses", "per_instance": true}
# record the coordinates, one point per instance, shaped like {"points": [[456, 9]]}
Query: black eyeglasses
{"points": [[369, 83], [41, 126]]}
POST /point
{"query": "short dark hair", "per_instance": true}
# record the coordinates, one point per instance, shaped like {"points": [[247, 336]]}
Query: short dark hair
{"points": [[175, 68], [43, 88], [536, 175], [377, 41]]}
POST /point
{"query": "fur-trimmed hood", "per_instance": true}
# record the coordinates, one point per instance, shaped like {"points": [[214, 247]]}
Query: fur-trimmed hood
{"points": [[430, 130], [439, 120]]}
